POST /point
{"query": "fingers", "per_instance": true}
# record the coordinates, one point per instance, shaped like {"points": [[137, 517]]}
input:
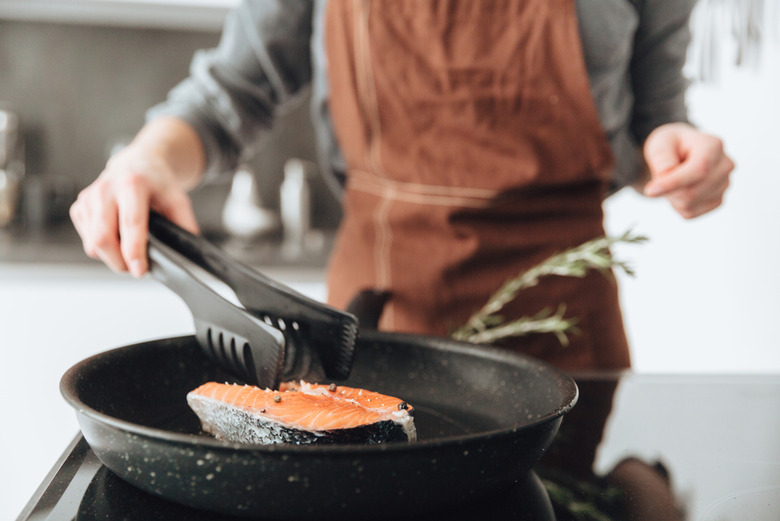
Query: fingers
{"points": [[661, 156], [133, 205], [676, 177], [687, 167], [691, 205], [95, 218], [136, 197], [112, 218], [682, 160], [154, 171]]}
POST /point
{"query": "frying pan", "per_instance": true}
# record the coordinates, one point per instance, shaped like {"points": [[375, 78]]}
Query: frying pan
{"points": [[484, 418]]}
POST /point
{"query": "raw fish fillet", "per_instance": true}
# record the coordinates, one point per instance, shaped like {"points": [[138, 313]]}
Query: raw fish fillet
{"points": [[301, 413]]}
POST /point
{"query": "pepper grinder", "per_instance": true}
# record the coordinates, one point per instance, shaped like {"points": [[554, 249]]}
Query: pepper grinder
{"points": [[11, 166], [295, 205]]}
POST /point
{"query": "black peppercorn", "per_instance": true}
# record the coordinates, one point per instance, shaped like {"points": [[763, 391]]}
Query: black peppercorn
{"points": [[403, 406]]}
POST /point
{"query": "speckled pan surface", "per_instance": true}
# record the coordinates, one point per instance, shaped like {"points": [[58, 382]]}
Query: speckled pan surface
{"points": [[483, 417]]}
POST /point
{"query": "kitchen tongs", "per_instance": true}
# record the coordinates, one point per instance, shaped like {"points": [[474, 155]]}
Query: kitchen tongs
{"points": [[277, 335]]}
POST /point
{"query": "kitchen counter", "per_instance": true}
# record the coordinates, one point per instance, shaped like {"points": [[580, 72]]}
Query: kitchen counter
{"points": [[55, 244], [60, 244], [167, 14]]}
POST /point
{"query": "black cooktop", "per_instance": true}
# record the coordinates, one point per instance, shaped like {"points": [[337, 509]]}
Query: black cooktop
{"points": [[644, 447]]}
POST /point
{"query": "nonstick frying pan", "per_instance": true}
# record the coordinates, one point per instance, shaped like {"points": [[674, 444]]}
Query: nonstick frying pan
{"points": [[484, 417]]}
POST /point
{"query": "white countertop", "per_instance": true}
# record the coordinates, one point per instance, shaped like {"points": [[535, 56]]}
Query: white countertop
{"points": [[53, 316]]}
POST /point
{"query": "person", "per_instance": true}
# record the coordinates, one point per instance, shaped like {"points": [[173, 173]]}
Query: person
{"points": [[469, 141]]}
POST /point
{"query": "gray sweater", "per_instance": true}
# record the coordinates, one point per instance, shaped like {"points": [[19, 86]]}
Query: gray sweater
{"points": [[271, 54]]}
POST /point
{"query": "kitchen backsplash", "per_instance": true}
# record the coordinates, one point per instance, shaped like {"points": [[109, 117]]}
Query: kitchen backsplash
{"points": [[80, 89]]}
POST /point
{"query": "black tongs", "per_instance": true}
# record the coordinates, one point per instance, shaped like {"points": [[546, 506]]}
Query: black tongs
{"points": [[277, 335]]}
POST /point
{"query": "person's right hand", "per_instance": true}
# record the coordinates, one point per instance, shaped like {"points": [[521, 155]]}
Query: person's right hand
{"points": [[112, 214]]}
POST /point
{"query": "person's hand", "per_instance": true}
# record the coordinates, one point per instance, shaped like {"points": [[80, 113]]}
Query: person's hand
{"points": [[112, 214], [687, 167]]}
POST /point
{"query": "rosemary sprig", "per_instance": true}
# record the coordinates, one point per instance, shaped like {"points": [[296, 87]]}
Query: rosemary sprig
{"points": [[583, 501], [487, 326], [543, 322]]}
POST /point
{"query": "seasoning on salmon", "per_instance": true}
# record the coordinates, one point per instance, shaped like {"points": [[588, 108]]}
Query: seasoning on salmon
{"points": [[301, 413]]}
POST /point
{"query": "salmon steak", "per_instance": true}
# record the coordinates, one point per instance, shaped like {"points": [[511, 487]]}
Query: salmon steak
{"points": [[301, 413]]}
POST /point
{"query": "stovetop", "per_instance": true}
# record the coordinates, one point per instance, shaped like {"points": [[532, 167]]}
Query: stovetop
{"points": [[646, 447], [81, 488]]}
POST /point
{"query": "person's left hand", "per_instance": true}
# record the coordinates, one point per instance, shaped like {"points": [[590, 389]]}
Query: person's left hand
{"points": [[687, 167]]}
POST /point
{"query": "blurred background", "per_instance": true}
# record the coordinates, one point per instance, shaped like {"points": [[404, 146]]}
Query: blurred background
{"points": [[76, 77]]}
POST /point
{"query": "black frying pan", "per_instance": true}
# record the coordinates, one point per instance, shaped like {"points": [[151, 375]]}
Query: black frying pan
{"points": [[484, 417]]}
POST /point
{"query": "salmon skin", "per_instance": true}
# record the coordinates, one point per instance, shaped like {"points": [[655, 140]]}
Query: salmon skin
{"points": [[301, 413]]}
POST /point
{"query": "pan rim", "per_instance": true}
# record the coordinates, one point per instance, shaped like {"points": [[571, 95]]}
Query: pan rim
{"points": [[569, 400]]}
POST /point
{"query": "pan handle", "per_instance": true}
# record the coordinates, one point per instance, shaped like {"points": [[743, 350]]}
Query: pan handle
{"points": [[367, 306]]}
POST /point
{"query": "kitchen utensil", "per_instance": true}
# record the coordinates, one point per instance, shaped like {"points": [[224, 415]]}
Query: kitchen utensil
{"points": [[295, 205], [278, 333], [11, 165], [243, 214], [484, 417], [9, 196], [9, 134]]}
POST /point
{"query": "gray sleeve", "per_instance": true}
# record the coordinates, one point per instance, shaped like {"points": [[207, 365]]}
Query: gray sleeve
{"points": [[660, 49], [234, 92], [635, 51]]}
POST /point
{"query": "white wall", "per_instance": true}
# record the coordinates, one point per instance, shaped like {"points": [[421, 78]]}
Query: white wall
{"points": [[706, 296]]}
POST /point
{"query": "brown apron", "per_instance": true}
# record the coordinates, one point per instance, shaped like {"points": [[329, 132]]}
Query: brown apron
{"points": [[474, 151]]}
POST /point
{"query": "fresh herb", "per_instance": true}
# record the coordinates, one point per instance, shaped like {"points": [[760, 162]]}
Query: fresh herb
{"points": [[487, 325], [582, 500]]}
